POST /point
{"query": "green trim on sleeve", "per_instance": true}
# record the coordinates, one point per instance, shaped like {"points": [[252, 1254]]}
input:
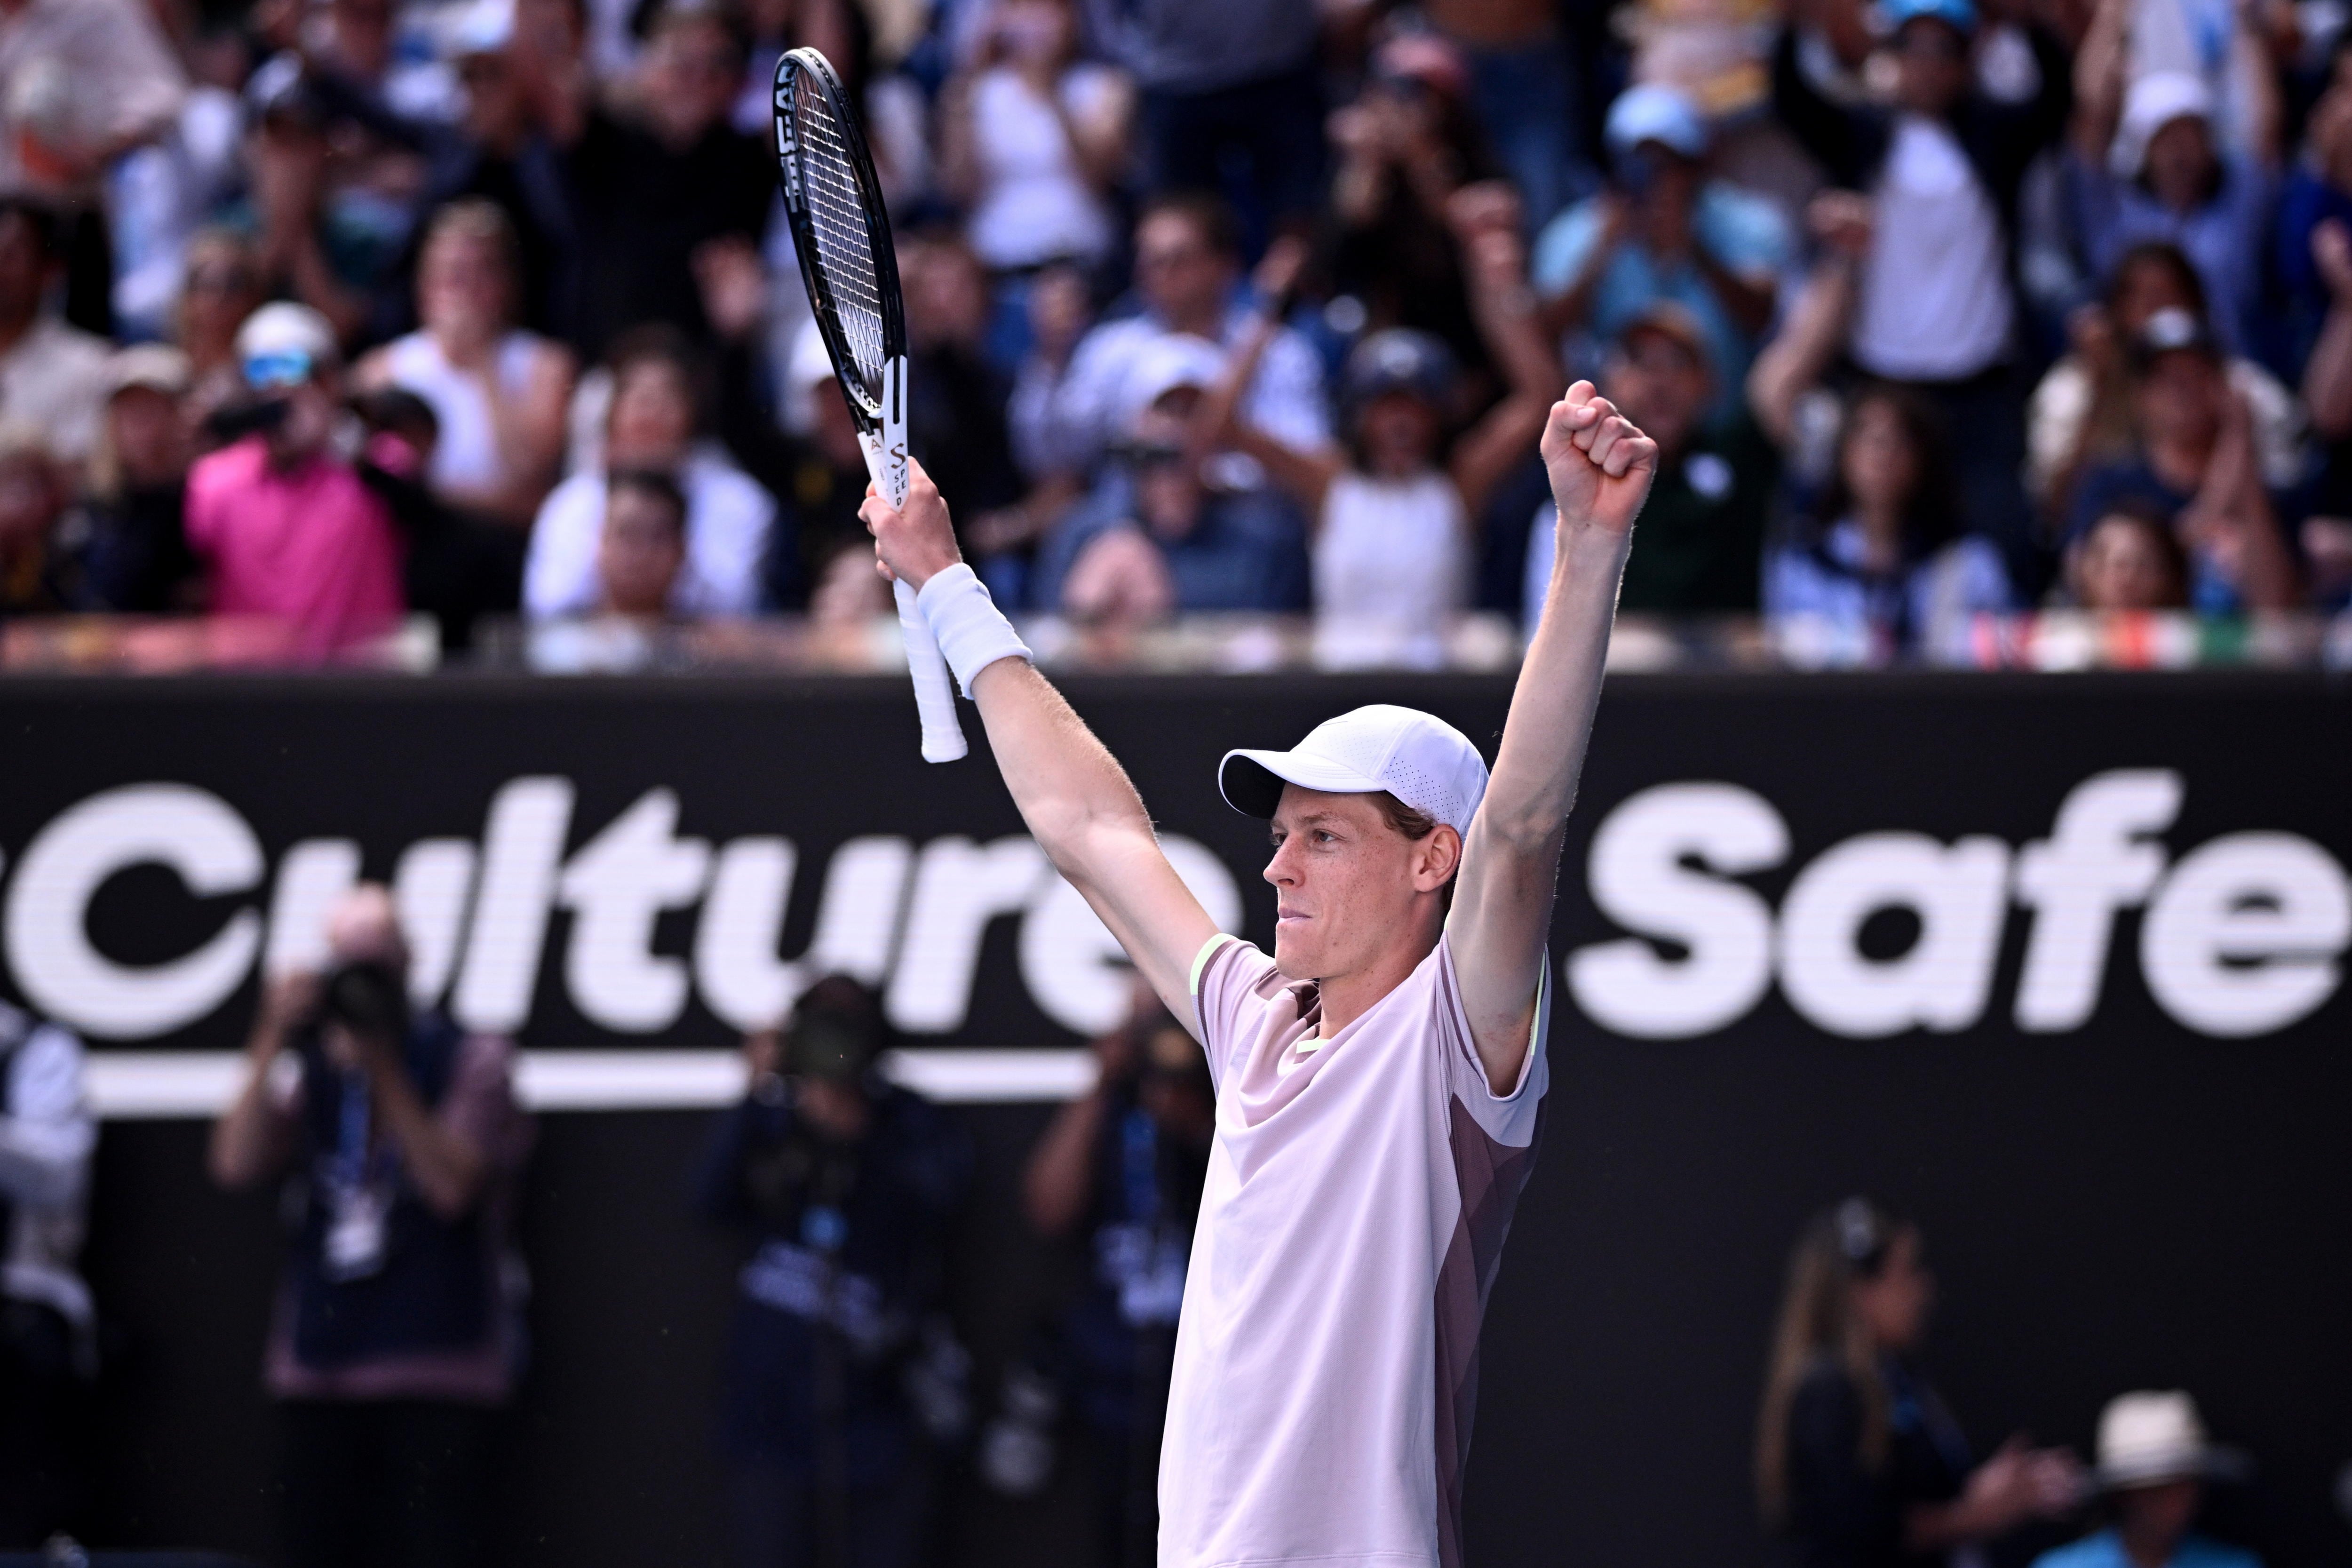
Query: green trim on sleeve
{"points": [[1201, 960]]}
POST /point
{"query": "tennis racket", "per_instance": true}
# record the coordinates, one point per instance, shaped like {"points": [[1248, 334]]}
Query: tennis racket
{"points": [[842, 235]]}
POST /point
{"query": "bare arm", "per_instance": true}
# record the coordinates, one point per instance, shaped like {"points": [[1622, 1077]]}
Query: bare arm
{"points": [[253, 1137], [2099, 69], [1305, 472], [445, 1165], [1074, 797], [1601, 470], [1487, 223], [1816, 328], [1060, 1177], [2327, 376]]}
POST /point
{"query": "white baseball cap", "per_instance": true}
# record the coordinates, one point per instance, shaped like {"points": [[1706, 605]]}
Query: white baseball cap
{"points": [[2152, 102], [1422, 761], [2150, 1437]]}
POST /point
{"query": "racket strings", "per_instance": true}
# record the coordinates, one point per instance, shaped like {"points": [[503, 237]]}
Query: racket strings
{"points": [[843, 246]]}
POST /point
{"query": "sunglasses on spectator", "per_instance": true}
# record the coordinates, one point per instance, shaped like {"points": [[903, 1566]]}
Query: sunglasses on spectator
{"points": [[278, 371], [1153, 455]]}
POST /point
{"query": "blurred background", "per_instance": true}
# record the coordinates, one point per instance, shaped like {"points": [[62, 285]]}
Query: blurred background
{"points": [[507, 1055]]}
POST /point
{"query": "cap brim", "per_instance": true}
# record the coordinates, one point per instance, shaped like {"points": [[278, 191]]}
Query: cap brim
{"points": [[2213, 1462], [1251, 782]]}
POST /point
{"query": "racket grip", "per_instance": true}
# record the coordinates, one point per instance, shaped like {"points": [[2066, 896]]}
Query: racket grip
{"points": [[935, 698]]}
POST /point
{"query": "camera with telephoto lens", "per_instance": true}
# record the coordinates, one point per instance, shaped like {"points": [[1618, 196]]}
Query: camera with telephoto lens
{"points": [[366, 997]]}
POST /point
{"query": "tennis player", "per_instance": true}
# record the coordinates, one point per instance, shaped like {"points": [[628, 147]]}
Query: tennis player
{"points": [[1380, 1079]]}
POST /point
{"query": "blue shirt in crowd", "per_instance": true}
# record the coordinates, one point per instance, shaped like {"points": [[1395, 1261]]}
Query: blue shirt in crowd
{"points": [[1247, 551], [1745, 234], [2106, 1550], [1922, 599], [2223, 239]]}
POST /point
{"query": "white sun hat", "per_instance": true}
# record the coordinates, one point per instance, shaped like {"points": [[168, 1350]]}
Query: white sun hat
{"points": [[2152, 102], [1422, 760], [2148, 1437]]}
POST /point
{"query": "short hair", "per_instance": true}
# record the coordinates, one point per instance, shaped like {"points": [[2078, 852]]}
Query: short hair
{"points": [[659, 486], [2171, 257], [658, 342], [400, 412], [477, 217], [1416, 826], [1210, 216]]}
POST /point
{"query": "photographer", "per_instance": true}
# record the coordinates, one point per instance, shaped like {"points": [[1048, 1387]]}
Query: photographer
{"points": [[849, 1184], [281, 519], [1122, 1169], [395, 1337]]}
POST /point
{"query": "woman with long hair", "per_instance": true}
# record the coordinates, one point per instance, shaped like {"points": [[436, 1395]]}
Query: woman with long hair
{"points": [[1879, 549], [499, 392], [1858, 1463]]}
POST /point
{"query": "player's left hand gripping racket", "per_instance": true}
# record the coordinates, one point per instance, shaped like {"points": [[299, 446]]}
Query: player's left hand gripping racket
{"points": [[842, 234]]}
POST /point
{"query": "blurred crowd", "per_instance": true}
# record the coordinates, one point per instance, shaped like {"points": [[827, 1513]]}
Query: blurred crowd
{"points": [[320, 315]]}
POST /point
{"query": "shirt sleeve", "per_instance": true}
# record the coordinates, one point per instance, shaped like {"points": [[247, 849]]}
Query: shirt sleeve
{"points": [[560, 572], [1563, 248], [47, 1138], [1229, 979], [1508, 1118], [1286, 398]]}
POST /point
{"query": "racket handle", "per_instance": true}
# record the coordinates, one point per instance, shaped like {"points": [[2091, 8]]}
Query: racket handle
{"points": [[935, 698]]}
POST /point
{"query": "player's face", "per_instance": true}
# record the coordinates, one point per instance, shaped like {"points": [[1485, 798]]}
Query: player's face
{"points": [[1345, 883]]}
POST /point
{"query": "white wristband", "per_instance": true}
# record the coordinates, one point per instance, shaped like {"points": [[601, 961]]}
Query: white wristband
{"points": [[971, 632]]}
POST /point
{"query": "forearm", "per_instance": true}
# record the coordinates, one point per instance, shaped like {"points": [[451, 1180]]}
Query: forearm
{"points": [[1542, 751], [2328, 378], [248, 1142], [1061, 1170], [1797, 358], [445, 1165], [1063, 781]]}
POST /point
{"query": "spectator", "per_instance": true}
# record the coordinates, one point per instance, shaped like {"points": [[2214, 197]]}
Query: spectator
{"points": [[1154, 538], [1121, 1169], [1942, 167], [81, 84], [653, 188], [1880, 551], [1664, 230], [51, 376], [2128, 559], [1229, 87], [129, 535], [498, 394], [956, 401], [1033, 140], [48, 1332], [642, 548], [333, 179], [1407, 145], [1858, 1463], [459, 567], [2326, 536], [1059, 311], [38, 577], [2318, 191], [2144, 165], [1187, 258], [2081, 415], [1701, 543], [2154, 1463], [818, 472], [283, 525], [1389, 515], [654, 423], [2193, 460], [397, 1335], [848, 1182], [222, 287], [1524, 86], [520, 110]]}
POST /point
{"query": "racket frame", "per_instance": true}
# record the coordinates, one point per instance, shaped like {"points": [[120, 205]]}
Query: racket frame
{"points": [[881, 424]]}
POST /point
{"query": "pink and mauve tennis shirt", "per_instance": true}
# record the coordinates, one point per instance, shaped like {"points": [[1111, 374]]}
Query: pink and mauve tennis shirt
{"points": [[1358, 1192]]}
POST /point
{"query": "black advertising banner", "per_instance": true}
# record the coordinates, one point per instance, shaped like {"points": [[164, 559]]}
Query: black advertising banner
{"points": [[2056, 963]]}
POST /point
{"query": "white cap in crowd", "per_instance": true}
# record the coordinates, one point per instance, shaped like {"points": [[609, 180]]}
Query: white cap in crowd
{"points": [[2150, 1437], [2153, 102], [281, 344], [1422, 760]]}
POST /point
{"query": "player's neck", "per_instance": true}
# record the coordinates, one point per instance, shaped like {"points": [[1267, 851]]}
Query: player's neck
{"points": [[1344, 998]]}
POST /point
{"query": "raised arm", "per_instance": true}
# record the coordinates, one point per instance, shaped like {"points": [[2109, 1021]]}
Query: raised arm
{"points": [[1601, 469], [1073, 794]]}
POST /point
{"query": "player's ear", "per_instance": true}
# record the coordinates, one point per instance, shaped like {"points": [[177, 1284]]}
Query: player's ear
{"points": [[1439, 855]]}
